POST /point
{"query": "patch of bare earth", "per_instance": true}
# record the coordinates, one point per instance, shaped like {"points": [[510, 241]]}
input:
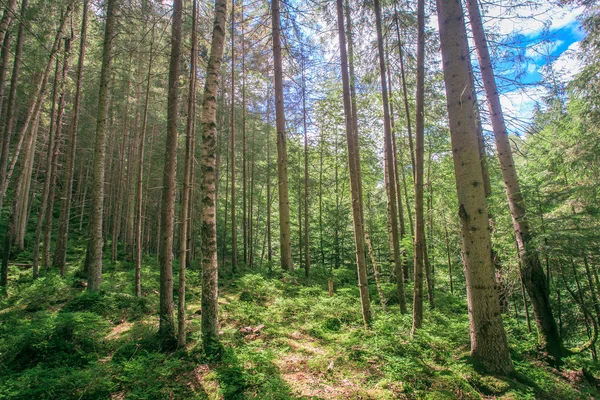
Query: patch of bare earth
{"points": [[311, 371]]}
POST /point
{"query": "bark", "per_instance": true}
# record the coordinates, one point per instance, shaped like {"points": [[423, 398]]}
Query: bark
{"points": [[282, 172], [354, 168], [55, 153], [48, 166], [389, 165], [532, 273], [419, 238], [140, 177], [185, 202], [488, 339], [405, 92], [306, 218], [382, 299], [232, 122], [10, 120], [167, 324], [34, 108], [210, 321], [4, 65], [94, 250], [244, 149], [60, 252]]}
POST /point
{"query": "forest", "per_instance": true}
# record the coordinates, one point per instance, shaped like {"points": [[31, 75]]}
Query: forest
{"points": [[285, 199]]}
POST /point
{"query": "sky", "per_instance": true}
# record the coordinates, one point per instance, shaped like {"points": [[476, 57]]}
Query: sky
{"points": [[542, 36]]}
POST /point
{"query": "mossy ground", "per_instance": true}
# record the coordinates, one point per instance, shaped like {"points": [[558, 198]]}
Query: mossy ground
{"points": [[58, 341]]}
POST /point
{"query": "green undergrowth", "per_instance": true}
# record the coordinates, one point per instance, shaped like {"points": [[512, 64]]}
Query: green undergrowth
{"points": [[283, 338]]}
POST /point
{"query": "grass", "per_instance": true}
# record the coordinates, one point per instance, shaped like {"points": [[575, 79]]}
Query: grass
{"points": [[284, 338]]}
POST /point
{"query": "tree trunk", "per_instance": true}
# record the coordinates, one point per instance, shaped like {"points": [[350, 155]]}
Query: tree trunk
{"points": [[306, 216], [210, 321], [354, 168], [55, 153], [10, 120], [244, 148], [532, 273], [419, 238], [185, 202], [489, 346], [391, 183], [282, 172], [167, 324], [232, 122], [60, 252], [94, 250]]}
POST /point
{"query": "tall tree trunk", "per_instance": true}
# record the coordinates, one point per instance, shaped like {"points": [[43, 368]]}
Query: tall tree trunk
{"points": [[60, 252], [167, 324], [48, 166], [489, 346], [94, 250], [10, 120], [391, 184], [140, 177], [404, 90], [210, 322], [232, 122], [282, 172], [244, 149], [419, 239], [185, 202], [532, 272], [55, 152], [354, 167], [306, 216], [35, 106]]}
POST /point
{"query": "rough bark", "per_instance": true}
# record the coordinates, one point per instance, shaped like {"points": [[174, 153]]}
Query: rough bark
{"points": [[532, 273], [187, 172], [389, 152], [10, 120], [488, 339], [232, 123], [167, 324], [94, 250], [354, 167], [282, 171], [60, 252], [418, 172], [210, 321]]}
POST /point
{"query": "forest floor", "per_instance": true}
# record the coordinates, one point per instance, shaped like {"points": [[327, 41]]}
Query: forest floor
{"points": [[283, 338]]}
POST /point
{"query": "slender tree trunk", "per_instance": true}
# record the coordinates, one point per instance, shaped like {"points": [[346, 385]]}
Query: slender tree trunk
{"points": [[282, 174], [210, 321], [189, 133], [34, 108], [306, 216], [419, 239], [354, 167], [405, 92], [167, 324], [10, 120], [391, 186], [48, 166], [382, 299], [244, 147], [60, 252], [532, 273], [56, 152], [489, 346], [269, 244], [232, 122], [140, 177], [94, 257]]}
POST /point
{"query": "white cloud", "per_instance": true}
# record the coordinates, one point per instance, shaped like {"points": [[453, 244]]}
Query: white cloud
{"points": [[568, 64], [529, 20]]}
